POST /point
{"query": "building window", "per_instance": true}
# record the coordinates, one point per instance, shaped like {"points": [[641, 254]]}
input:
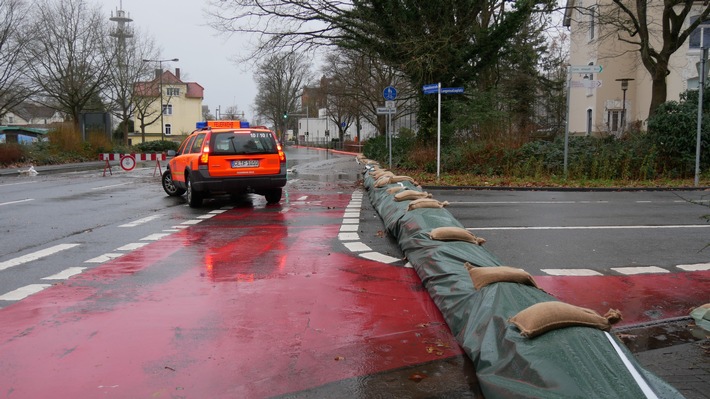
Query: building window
{"points": [[168, 129], [172, 91], [614, 120], [167, 109], [694, 40], [589, 122], [592, 22], [10, 119]]}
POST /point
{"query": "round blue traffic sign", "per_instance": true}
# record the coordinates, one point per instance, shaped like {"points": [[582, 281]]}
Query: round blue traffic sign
{"points": [[390, 93]]}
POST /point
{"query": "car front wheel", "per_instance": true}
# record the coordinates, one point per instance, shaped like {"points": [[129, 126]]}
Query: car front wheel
{"points": [[169, 185], [194, 198]]}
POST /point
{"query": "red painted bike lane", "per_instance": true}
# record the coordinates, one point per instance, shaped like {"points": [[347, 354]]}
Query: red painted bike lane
{"points": [[250, 303]]}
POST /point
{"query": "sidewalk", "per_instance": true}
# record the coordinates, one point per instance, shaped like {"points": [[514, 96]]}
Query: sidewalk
{"points": [[673, 350]]}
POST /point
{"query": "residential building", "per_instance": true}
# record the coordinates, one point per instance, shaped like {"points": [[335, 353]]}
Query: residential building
{"points": [[181, 107], [609, 102], [32, 115]]}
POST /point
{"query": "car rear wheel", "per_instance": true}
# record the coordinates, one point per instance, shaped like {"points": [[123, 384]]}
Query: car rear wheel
{"points": [[194, 198], [273, 196], [169, 185]]}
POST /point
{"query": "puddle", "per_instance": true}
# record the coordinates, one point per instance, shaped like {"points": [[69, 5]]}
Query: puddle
{"points": [[661, 335]]}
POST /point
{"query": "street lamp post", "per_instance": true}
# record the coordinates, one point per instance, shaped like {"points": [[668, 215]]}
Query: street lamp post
{"points": [[162, 106], [624, 87]]}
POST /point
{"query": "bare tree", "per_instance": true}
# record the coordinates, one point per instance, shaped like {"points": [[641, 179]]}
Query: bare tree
{"points": [[145, 96], [128, 69], [354, 86], [654, 29], [71, 54], [14, 36], [280, 78]]}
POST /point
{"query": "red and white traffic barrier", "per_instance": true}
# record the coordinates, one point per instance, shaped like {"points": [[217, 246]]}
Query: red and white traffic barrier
{"points": [[128, 161]]}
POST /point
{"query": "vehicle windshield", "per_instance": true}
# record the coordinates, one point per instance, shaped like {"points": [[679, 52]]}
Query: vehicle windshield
{"points": [[231, 143]]}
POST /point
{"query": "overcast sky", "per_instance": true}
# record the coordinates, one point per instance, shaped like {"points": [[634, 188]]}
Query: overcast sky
{"points": [[179, 29]]}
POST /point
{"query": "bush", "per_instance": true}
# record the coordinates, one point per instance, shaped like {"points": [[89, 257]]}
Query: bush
{"points": [[156, 146], [11, 154]]}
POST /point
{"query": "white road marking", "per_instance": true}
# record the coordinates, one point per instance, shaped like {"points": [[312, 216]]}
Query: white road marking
{"points": [[35, 255], [350, 221], [302, 198], [17, 184], [378, 257], [17, 202], [194, 221], [65, 274], [695, 268], [141, 221], [639, 270], [105, 257], [132, 246], [571, 272], [348, 237], [111, 186], [23, 292], [357, 247], [155, 237], [207, 216], [349, 227]]}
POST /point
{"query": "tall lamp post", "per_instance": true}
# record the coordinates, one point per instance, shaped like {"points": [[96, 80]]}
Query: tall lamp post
{"points": [[624, 87], [162, 106]]}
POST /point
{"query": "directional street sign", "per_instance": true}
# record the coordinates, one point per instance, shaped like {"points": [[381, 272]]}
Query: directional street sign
{"points": [[390, 93], [451, 90], [586, 68], [386, 111], [431, 88], [589, 84]]}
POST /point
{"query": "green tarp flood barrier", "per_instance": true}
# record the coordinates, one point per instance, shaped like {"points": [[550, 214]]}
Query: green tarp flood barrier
{"points": [[571, 362]]}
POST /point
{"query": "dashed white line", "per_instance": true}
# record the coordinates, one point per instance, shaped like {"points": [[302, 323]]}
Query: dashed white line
{"points": [[105, 257], [132, 246], [348, 237], [155, 236], [639, 270], [141, 221], [571, 272], [23, 292], [65, 274], [35, 255], [378, 257], [357, 247], [17, 202], [695, 267], [111, 186]]}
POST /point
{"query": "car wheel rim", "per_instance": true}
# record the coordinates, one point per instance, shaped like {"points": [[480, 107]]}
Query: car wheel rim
{"points": [[169, 184]]}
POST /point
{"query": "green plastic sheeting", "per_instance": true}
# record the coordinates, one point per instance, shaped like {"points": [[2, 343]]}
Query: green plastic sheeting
{"points": [[572, 362]]}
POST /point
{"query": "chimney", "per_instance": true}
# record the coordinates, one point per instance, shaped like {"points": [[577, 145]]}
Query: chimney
{"points": [[177, 73], [157, 73]]}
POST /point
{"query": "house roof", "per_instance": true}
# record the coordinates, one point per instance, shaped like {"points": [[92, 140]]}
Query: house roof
{"points": [[152, 88], [28, 111]]}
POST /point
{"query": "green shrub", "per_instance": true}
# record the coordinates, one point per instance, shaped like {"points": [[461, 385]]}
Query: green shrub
{"points": [[156, 146]]}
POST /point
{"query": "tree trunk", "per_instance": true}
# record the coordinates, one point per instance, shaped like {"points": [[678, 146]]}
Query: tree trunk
{"points": [[659, 89]]}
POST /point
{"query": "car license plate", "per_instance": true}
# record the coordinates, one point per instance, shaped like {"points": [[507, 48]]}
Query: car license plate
{"points": [[249, 163]]}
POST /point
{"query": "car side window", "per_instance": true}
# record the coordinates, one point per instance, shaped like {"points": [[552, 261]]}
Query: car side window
{"points": [[197, 144], [185, 145]]}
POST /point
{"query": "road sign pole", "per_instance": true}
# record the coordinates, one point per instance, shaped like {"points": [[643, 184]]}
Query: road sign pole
{"points": [[438, 133], [389, 135], [569, 83]]}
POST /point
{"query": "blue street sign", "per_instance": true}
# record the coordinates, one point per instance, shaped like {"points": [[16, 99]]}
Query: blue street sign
{"points": [[390, 93], [451, 90], [431, 88]]}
